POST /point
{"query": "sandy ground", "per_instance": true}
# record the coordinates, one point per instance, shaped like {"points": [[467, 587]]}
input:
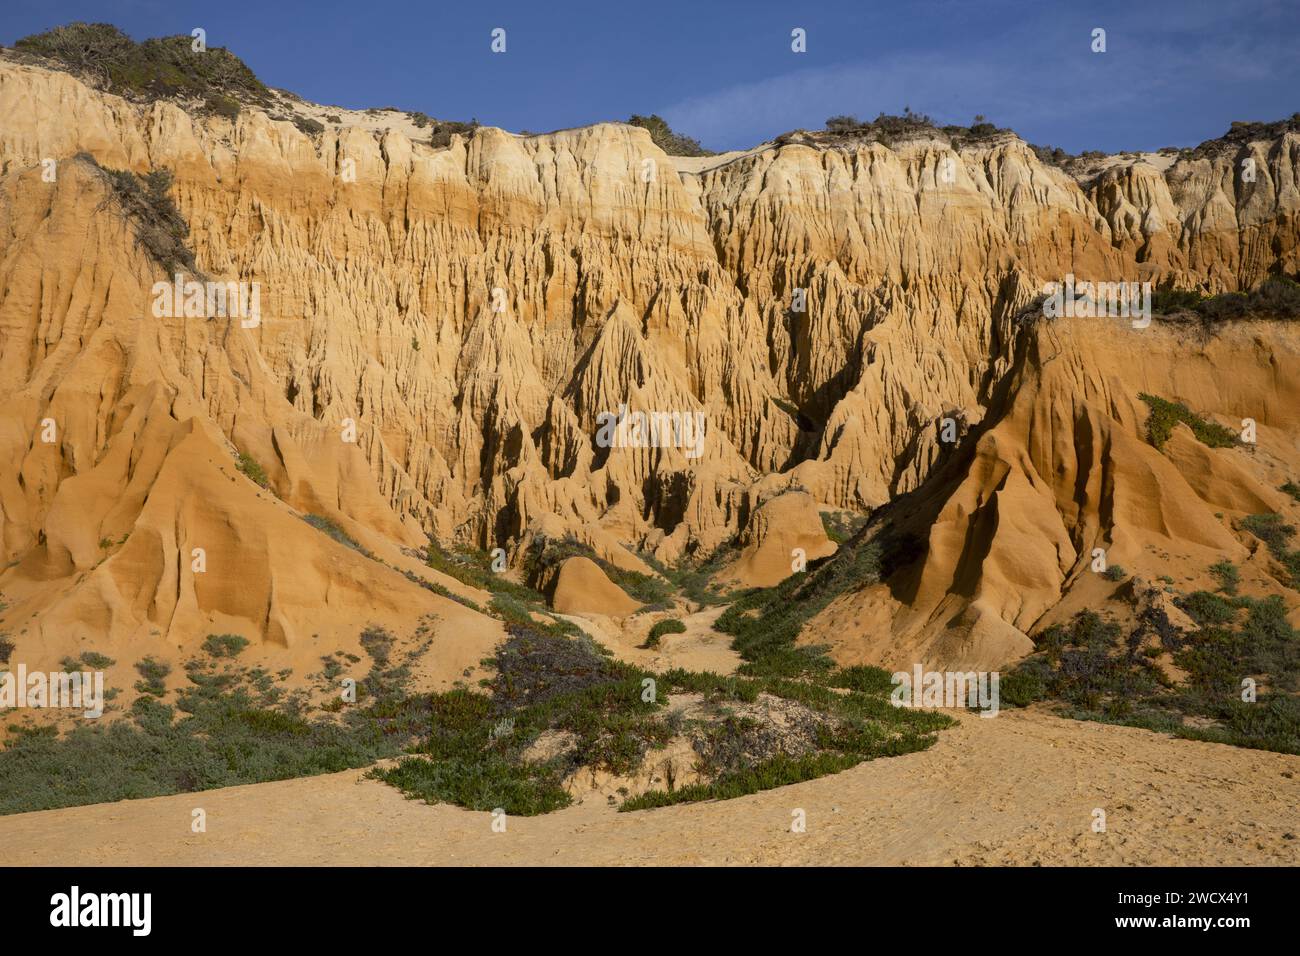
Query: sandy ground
{"points": [[1017, 789]]}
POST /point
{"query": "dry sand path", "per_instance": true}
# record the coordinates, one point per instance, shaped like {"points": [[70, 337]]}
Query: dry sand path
{"points": [[1018, 789]]}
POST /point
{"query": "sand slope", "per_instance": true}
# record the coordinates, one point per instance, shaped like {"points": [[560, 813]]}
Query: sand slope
{"points": [[1017, 789]]}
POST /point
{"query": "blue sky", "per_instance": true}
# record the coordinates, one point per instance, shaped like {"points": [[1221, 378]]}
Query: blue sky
{"points": [[1175, 72]]}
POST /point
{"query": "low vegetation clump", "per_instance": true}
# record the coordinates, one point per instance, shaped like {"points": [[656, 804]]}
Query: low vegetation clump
{"points": [[1241, 665], [1241, 133], [1292, 489], [224, 645], [475, 752], [1227, 575], [520, 613], [155, 68], [740, 750], [559, 704], [1055, 156], [444, 130], [653, 592], [146, 202], [765, 622], [669, 625], [248, 466], [153, 676], [694, 578], [674, 144], [1276, 297], [329, 527], [1165, 415], [474, 567], [886, 128], [511, 602], [840, 526], [228, 725], [92, 660], [1276, 534]]}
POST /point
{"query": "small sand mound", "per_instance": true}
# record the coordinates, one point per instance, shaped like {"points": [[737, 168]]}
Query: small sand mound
{"points": [[778, 526], [581, 587]]}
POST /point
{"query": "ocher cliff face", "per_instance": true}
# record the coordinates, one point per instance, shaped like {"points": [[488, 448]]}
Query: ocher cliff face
{"points": [[472, 310]]}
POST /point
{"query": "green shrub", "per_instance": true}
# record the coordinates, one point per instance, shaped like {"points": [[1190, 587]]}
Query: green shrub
{"points": [[146, 202], [669, 625], [694, 579], [222, 105], [1207, 609], [1227, 574], [886, 128], [1095, 672], [154, 674], [550, 683], [1165, 414], [766, 622], [863, 678], [516, 611], [1020, 688], [1276, 534], [444, 130], [230, 725], [674, 144], [248, 467], [1292, 489], [473, 567], [861, 725], [378, 643], [651, 591], [224, 645], [1276, 296], [164, 66], [840, 526]]}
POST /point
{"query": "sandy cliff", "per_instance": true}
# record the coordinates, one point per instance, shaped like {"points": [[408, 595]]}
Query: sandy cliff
{"points": [[467, 313]]}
